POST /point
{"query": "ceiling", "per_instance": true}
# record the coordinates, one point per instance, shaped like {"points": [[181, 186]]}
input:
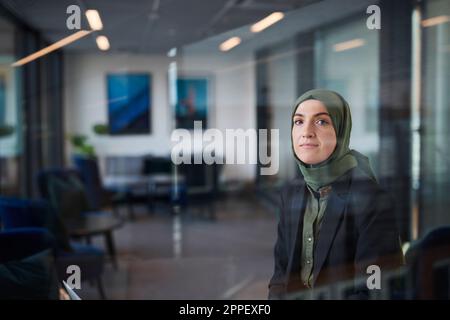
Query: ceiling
{"points": [[148, 26]]}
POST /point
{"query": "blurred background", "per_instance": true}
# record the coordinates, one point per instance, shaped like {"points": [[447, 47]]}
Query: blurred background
{"points": [[91, 90]]}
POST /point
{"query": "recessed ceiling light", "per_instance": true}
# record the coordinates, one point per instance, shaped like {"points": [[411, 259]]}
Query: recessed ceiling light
{"points": [[94, 20], [230, 43], [267, 22], [102, 43]]}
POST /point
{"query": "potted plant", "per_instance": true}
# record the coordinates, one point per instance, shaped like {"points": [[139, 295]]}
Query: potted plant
{"points": [[81, 146], [80, 142], [100, 129]]}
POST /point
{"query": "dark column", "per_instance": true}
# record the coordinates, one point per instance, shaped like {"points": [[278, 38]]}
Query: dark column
{"points": [[305, 62], [395, 106]]}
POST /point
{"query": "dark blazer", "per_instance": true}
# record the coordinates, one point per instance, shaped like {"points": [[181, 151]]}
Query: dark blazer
{"points": [[358, 229]]}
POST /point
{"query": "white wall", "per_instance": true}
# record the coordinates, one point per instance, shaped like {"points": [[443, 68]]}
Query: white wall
{"points": [[233, 104], [234, 96], [86, 101]]}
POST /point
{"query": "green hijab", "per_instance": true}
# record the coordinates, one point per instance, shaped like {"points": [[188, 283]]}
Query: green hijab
{"points": [[342, 159]]}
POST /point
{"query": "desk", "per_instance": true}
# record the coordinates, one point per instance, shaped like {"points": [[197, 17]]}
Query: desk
{"points": [[125, 182], [151, 187]]}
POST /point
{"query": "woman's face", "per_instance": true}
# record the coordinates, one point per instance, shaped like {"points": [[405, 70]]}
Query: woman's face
{"points": [[313, 134]]}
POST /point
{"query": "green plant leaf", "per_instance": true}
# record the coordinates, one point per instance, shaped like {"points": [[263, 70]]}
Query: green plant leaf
{"points": [[78, 140], [101, 129], [6, 130]]}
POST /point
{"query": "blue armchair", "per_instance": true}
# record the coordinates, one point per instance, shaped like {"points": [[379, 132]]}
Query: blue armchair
{"points": [[99, 196], [19, 213], [27, 269], [65, 192], [429, 263]]}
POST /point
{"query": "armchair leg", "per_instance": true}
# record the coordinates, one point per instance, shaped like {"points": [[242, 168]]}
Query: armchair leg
{"points": [[101, 290], [111, 248]]}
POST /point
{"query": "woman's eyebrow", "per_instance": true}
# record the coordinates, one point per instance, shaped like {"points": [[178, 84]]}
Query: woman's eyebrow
{"points": [[315, 115]]}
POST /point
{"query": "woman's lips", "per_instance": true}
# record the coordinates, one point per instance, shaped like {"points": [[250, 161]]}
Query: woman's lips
{"points": [[308, 146]]}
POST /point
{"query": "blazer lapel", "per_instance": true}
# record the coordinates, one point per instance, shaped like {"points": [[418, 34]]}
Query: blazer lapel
{"points": [[296, 213], [331, 220]]}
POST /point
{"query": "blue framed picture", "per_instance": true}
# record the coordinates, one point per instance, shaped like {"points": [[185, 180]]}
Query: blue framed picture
{"points": [[129, 103], [192, 102]]}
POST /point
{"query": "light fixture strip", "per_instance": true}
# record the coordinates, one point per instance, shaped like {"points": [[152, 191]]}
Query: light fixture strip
{"points": [[230, 44], [435, 21], [347, 45], [55, 46], [267, 22]]}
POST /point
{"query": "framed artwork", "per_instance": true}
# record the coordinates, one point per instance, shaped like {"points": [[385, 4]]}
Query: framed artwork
{"points": [[129, 103], [192, 101]]}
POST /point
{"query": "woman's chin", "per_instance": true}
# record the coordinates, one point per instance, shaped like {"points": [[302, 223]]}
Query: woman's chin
{"points": [[310, 160], [308, 157]]}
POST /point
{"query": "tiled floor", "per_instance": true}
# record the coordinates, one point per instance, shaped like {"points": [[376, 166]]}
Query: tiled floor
{"points": [[191, 257]]}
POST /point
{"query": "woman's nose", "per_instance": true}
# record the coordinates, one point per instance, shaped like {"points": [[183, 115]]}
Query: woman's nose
{"points": [[307, 131]]}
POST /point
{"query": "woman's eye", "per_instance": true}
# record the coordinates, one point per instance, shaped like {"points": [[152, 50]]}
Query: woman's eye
{"points": [[298, 122], [322, 122]]}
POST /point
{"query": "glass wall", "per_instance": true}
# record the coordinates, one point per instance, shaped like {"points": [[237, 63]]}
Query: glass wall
{"points": [[158, 74], [31, 126], [435, 114]]}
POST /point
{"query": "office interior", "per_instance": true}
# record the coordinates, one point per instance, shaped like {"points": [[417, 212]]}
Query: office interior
{"points": [[88, 112]]}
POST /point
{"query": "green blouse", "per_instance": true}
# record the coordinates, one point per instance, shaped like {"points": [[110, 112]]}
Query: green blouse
{"points": [[315, 208]]}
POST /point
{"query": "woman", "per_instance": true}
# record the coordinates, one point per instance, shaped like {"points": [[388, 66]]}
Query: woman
{"points": [[335, 220]]}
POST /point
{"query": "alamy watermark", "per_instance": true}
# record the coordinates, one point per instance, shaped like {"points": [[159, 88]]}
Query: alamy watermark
{"points": [[73, 21], [373, 22], [74, 280], [374, 280], [235, 146]]}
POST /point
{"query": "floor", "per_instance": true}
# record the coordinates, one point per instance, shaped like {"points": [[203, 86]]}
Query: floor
{"points": [[191, 255]]}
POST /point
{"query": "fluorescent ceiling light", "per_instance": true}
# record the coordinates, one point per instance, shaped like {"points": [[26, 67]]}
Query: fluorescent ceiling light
{"points": [[267, 22], [94, 20], [59, 44], [347, 45], [102, 43], [230, 43], [435, 20]]}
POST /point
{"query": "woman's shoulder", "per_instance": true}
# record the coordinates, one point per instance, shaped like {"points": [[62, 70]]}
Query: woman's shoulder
{"points": [[363, 182], [365, 190]]}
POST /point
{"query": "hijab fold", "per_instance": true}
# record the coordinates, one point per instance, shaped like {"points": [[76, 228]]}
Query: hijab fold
{"points": [[342, 159]]}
